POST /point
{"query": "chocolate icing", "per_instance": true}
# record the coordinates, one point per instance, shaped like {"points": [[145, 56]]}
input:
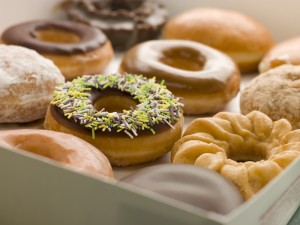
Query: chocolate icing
{"points": [[193, 185], [95, 94], [25, 35], [125, 22]]}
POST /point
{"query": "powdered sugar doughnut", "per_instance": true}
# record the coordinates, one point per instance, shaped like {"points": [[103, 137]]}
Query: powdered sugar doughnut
{"points": [[275, 93], [27, 81]]}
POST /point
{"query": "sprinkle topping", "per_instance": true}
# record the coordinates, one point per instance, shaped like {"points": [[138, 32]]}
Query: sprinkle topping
{"points": [[157, 105]]}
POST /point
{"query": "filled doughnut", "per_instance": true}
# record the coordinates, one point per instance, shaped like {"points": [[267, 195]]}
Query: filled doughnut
{"points": [[286, 52], [195, 186], [27, 81], [75, 48], [130, 118], [63, 148], [275, 93], [241, 37], [248, 150], [205, 78], [125, 22]]}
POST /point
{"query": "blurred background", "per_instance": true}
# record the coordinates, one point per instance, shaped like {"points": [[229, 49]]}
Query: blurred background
{"points": [[281, 17]]}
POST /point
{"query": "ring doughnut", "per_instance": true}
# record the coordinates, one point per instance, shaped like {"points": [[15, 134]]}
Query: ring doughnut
{"points": [[141, 122], [244, 39], [275, 93], [249, 150], [286, 52], [206, 78], [27, 81], [196, 186], [125, 22], [75, 48], [64, 148]]}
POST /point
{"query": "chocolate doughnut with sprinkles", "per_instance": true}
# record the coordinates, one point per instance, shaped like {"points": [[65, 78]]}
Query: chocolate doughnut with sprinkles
{"points": [[130, 118]]}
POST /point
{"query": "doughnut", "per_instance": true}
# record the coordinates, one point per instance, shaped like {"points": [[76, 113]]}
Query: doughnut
{"points": [[27, 81], [75, 48], [239, 36], [130, 118], [200, 187], [205, 78], [249, 150], [63, 148], [275, 93], [125, 22], [286, 52]]}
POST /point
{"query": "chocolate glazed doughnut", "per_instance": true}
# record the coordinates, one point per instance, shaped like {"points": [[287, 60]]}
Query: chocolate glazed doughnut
{"points": [[74, 47], [124, 22], [130, 118]]}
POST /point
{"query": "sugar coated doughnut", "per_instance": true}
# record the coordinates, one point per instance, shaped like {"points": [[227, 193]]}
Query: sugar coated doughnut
{"points": [[205, 78], [27, 81], [248, 150], [196, 186], [63, 148], [130, 118], [286, 52], [234, 33], [275, 93], [125, 22], [75, 48]]}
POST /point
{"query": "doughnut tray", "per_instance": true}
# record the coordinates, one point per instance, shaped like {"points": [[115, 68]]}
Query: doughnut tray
{"points": [[39, 191], [35, 190]]}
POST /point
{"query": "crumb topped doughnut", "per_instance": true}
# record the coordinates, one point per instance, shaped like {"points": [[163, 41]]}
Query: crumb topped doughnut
{"points": [[27, 81], [125, 22], [75, 48], [142, 121], [249, 150], [275, 93], [241, 37], [205, 78], [64, 148], [196, 186]]}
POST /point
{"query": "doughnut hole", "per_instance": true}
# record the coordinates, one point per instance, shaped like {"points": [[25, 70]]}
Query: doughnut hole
{"points": [[114, 102], [56, 35], [251, 151], [183, 58]]}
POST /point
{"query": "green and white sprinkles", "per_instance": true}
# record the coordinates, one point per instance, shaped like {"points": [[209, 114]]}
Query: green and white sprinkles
{"points": [[157, 105]]}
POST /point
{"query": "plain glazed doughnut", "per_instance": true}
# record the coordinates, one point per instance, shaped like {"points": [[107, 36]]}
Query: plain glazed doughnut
{"points": [[275, 93], [196, 186], [63, 148], [286, 52], [248, 150], [130, 118], [27, 81], [75, 48], [125, 22], [205, 78], [238, 35]]}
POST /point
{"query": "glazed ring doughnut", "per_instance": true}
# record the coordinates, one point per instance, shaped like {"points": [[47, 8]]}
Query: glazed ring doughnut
{"points": [[64, 148], [286, 52], [206, 78], [248, 150], [275, 93], [75, 48], [131, 119]]}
